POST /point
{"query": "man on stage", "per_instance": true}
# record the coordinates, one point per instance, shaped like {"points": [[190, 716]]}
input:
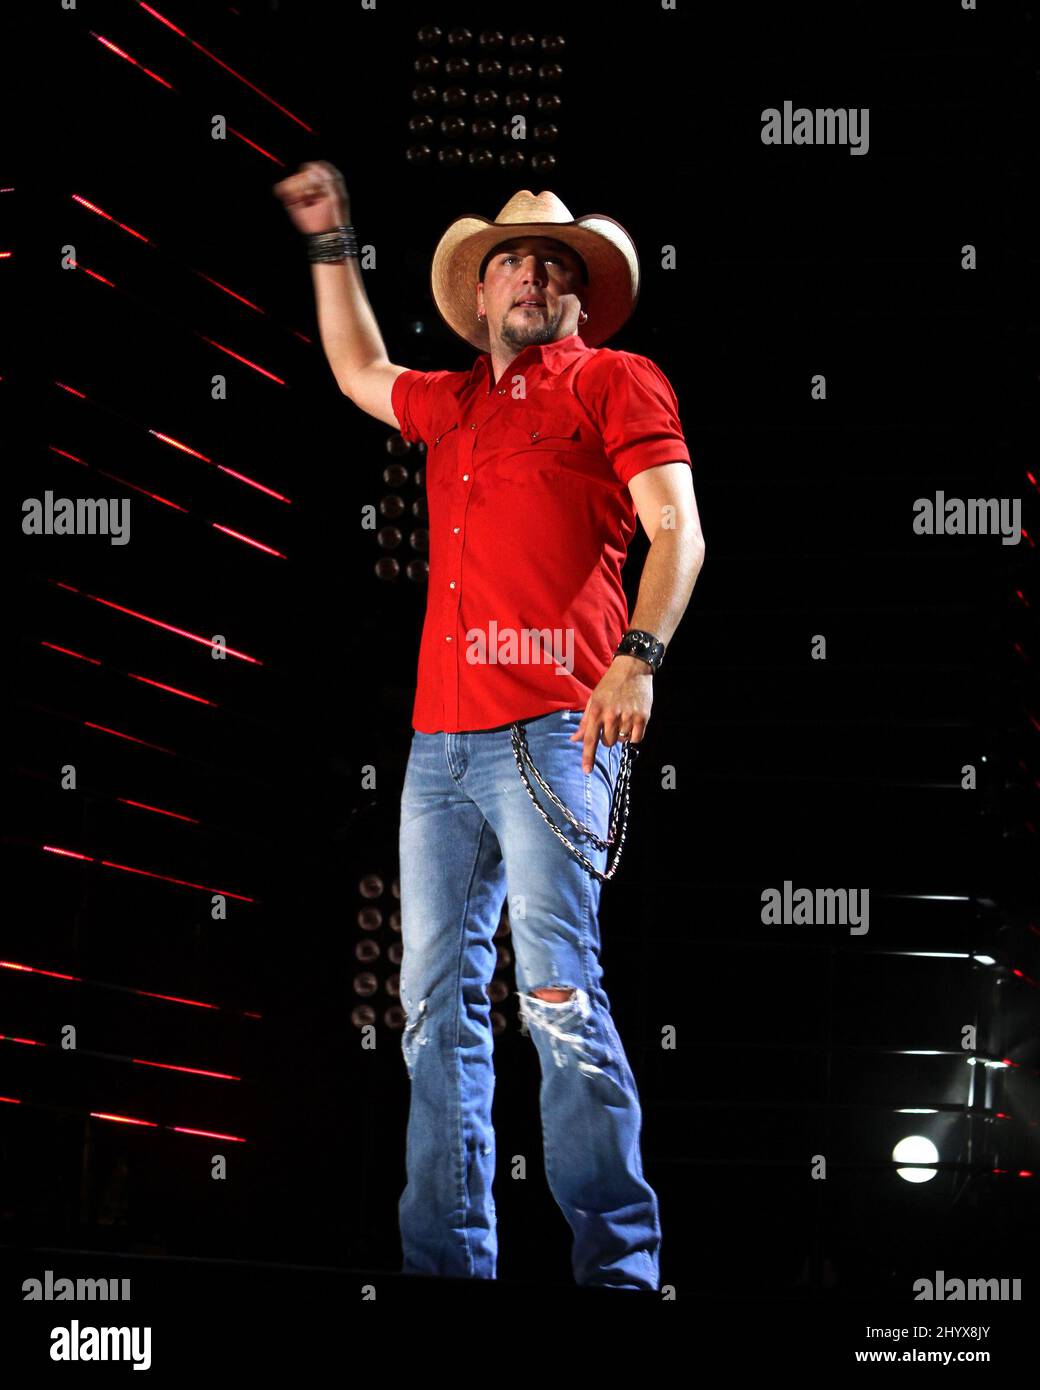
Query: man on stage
{"points": [[538, 461]]}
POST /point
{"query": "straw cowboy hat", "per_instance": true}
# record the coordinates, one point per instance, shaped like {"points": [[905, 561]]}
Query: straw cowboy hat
{"points": [[603, 244]]}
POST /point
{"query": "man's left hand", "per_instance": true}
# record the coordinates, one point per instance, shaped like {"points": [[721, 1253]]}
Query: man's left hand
{"points": [[619, 707]]}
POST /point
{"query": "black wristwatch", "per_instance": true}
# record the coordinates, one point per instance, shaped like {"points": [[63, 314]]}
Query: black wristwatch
{"points": [[644, 645]]}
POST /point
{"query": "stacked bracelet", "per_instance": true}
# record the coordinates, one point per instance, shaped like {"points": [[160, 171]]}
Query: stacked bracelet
{"points": [[331, 247]]}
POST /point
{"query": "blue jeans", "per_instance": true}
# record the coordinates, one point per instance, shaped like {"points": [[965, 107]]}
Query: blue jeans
{"points": [[469, 833]]}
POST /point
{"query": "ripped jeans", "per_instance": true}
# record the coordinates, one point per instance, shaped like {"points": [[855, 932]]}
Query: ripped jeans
{"points": [[469, 834]]}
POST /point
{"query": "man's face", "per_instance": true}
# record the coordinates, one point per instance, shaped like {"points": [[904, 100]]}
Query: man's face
{"points": [[535, 269]]}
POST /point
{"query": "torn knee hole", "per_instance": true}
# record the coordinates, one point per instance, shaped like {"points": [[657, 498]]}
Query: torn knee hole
{"points": [[553, 996]]}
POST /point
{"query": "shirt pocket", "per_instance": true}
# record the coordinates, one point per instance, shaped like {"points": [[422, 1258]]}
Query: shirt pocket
{"points": [[546, 446]]}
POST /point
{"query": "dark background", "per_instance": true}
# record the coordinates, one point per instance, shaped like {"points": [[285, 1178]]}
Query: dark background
{"points": [[790, 261]]}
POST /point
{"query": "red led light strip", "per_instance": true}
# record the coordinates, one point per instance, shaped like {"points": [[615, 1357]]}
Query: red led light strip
{"points": [[145, 680], [92, 207], [220, 63], [240, 297], [136, 1061], [69, 652], [177, 444], [239, 358], [225, 289], [74, 458], [207, 1134], [156, 622], [36, 970], [64, 453], [167, 439], [121, 1119], [159, 685], [95, 275], [240, 537], [154, 1124], [117, 733], [194, 1071], [147, 873], [123, 989], [143, 805], [252, 483], [119, 52]]}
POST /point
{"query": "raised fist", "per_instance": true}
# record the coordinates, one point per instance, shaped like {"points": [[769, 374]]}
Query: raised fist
{"points": [[315, 197]]}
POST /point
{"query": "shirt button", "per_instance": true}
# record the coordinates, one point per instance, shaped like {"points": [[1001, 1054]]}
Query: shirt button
{"points": [[455, 530], [447, 639], [534, 434], [452, 584], [501, 390], [465, 477], [473, 427]]}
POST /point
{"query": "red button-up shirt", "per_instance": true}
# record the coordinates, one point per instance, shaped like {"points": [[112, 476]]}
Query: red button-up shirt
{"points": [[530, 521]]}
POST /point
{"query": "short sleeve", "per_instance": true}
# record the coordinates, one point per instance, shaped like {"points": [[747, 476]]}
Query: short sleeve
{"points": [[413, 399], [636, 411]]}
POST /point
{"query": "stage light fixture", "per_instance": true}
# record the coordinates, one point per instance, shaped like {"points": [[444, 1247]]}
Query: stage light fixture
{"points": [[915, 1148]]}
